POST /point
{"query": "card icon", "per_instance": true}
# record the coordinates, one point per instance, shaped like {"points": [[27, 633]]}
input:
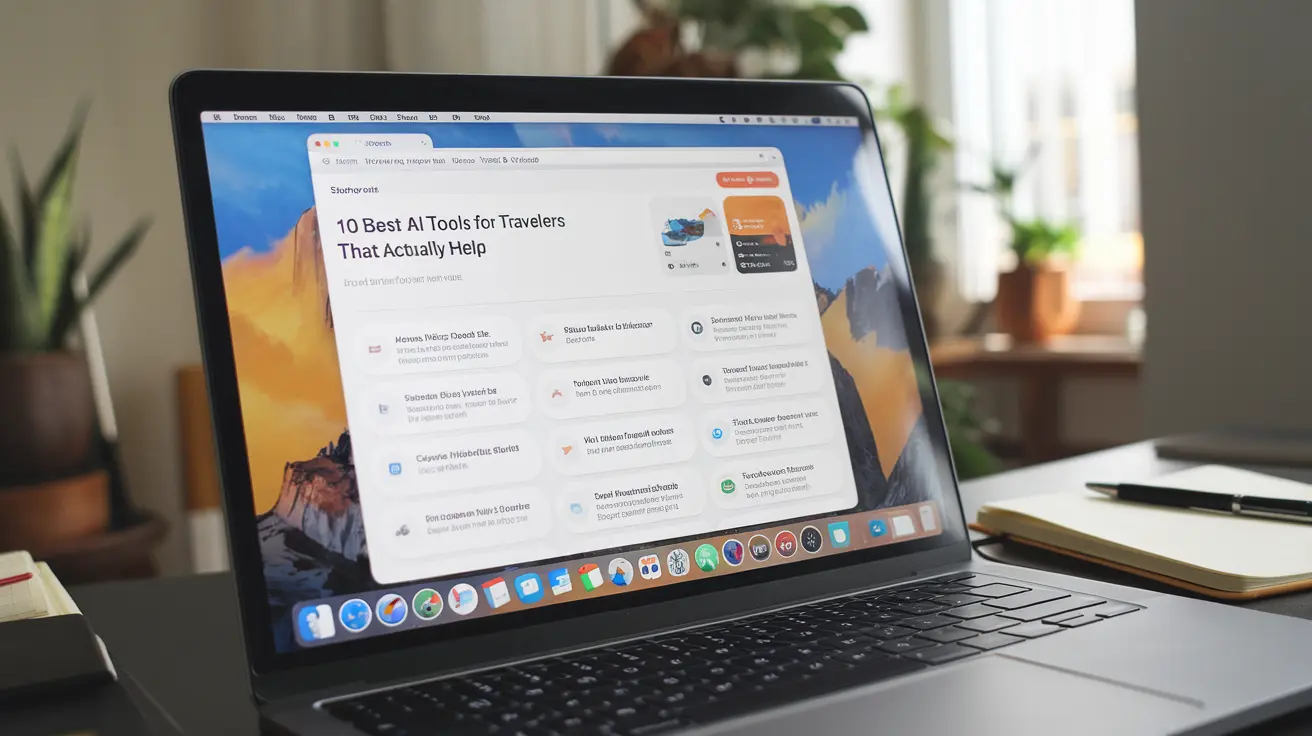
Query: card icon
{"points": [[927, 521], [560, 581], [707, 558], [840, 535], [591, 576], [690, 235], [649, 567], [678, 562], [427, 604], [903, 525], [760, 233], [496, 592], [759, 546], [316, 622], [462, 598], [733, 552], [529, 588]]}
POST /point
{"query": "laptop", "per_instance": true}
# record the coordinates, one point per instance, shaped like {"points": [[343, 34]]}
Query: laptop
{"points": [[604, 406]]}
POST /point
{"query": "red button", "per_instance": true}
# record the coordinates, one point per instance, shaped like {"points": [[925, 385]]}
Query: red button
{"points": [[747, 179]]}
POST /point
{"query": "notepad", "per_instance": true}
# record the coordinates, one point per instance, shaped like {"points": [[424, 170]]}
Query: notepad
{"points": [[1211, 552]]}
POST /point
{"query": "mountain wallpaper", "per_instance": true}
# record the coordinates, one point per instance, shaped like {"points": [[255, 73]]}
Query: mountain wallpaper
{"points": [[311, 532]]}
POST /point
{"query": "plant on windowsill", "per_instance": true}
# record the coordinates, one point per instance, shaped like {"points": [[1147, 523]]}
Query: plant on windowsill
{"points": [[1034, 302], [52, 489], [732, 38]]}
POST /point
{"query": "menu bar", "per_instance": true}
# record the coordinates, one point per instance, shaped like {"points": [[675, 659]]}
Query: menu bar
{"points": [[233, 116]]}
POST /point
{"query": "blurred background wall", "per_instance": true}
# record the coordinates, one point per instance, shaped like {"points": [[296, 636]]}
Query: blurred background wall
{"points": [[1226, 114]]}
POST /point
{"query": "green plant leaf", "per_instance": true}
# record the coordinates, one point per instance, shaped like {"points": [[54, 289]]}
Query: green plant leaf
{"points": [[65, 154], [9, 284], [814, 36], [850, 17], [54, 237], [68, 305], [121, 251], [28, 214]]}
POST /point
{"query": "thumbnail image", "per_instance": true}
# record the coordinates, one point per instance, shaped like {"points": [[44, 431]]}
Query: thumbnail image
{"points": [[762, 237], [692, 238]]}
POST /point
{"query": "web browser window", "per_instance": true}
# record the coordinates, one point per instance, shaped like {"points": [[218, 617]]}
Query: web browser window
{"points": [[489, 362], [549, 353]]}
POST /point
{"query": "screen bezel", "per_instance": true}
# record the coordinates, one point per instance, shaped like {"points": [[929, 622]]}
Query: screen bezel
{"points": [[195, 92]]}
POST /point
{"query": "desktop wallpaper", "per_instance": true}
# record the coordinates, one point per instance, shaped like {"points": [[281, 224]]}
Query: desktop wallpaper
{"points": [[311, 532]]}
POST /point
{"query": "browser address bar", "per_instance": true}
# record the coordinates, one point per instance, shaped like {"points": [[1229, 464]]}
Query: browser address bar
{"points": [[361, 156]]}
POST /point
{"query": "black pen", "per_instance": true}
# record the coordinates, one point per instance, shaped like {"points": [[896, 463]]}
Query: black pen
{"points": [[1284, 509]]}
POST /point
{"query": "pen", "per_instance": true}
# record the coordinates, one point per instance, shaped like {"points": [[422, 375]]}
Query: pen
{"points": [[15, 579], [1284, 509]]}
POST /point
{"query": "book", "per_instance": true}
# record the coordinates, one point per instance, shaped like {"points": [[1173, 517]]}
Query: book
{"points": [[1213, 553], [45, 643]]}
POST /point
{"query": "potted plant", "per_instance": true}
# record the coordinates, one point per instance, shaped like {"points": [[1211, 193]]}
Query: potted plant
{"points": [[1034, 301], [786, 39], [50, 486]]}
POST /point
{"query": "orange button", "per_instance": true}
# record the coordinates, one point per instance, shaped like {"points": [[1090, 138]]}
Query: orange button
{"points": [[744, 179]]}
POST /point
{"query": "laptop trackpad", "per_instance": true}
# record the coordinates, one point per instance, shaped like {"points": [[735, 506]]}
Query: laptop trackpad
{"points": [[989, 695]]}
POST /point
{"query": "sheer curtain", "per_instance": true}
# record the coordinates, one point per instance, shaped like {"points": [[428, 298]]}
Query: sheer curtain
{"points": [[1055, 78]]}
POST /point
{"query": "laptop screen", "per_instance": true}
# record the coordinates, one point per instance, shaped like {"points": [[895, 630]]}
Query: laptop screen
{"points": [[492, 362]]}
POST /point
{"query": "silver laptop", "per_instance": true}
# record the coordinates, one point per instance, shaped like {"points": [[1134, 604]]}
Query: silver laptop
{"points": [[603, 406]]}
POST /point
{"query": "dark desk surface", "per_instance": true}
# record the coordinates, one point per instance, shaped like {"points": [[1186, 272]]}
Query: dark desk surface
{"points": [[179, 637]]}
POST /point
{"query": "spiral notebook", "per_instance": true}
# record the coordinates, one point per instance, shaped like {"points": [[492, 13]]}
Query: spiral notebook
{"points": [[1216, 554]]}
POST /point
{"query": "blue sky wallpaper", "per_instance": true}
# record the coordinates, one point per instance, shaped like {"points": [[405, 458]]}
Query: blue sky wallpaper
{"points": [[260, 175]]}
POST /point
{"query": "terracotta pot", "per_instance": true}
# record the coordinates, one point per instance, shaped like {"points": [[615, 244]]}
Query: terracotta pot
{"points": [[49, 417], [48, 515], [1035, 304]]}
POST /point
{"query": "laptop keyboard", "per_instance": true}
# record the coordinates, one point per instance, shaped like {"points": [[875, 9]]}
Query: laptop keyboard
{"points": [[719, 671]]}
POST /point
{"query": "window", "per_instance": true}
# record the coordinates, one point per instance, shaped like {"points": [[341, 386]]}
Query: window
{"points": [[1055, 78]]}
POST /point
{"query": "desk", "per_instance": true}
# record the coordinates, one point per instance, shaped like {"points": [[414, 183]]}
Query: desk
{"points": [[1039, 370], [179, 636]]}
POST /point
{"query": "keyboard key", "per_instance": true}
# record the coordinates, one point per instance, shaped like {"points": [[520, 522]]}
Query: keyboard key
{"points": [[991, 641], [1081, 620], [945, 588], [888, 632], [943, 654], [908, 596], [1113, 608], [997, 590], [1052, 608], [920, 608], [949, 634], [1063, 616], [985, 625], [902, 646], [860, 656], [1032, 598], [925, 623], [1033, 630], [959, 599], [970, 580], [974, 610]]}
